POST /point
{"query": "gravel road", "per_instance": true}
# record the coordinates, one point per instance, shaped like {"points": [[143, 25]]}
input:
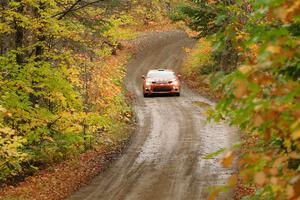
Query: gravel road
{"points": [[165, 158]]}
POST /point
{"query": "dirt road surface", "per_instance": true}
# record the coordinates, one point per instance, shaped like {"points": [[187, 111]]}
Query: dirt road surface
{"points": [[165, 158]]}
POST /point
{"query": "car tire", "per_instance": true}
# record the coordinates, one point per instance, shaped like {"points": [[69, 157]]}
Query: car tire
{"points": [[146, 95], [178, 94]]}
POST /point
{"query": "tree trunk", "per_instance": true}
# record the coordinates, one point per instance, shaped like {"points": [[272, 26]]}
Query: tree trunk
{"points": [[4, 38], [39, 49], [229, 57], [19, 37]]}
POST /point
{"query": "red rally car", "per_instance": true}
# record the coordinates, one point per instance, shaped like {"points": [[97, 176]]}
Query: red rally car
{"points": [[161, 81]]}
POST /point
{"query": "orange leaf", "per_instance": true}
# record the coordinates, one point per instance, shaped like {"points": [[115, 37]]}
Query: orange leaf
{"points": [[227, 160], [240, 89], [274, 180], [270, 15], [290, 193], [279, 161], [297, 188], [213, 195], [274, 171], [260, 178], [258, 120], [294, 155]]}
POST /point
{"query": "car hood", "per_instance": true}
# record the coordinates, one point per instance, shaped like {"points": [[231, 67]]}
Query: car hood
{"points": [[160, 80]]}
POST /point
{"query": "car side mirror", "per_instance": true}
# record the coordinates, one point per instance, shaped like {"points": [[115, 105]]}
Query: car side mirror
{"points": [[143, 77]]}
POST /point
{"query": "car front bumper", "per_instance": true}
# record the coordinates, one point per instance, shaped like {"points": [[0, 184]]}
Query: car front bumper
{"points": [[161, 89]]}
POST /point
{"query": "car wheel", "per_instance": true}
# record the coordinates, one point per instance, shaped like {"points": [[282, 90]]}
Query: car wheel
{"points": [[146, 95], [178, 94]]}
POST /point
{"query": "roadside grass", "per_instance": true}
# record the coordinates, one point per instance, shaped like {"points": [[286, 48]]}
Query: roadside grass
{"points": [[201, 104]]}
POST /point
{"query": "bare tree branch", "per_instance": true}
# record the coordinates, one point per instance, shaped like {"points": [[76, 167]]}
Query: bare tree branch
{"points": [[63, 14], [74, 7]]}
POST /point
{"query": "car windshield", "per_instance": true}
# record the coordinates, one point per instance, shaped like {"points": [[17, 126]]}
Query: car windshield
{"points": [[161, 74]]}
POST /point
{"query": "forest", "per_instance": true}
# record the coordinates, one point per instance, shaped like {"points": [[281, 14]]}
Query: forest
{"points": [[61, 89], [249, 54], [62, 92]]}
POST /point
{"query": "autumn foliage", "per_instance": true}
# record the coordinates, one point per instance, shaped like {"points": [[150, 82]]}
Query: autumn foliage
{"points": [[62, 77], [260, 90]]}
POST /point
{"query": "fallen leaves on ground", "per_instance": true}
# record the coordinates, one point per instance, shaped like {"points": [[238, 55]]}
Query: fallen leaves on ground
{"points": [[59, 181]]}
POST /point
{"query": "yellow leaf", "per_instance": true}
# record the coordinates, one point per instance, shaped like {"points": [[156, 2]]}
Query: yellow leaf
{"points": [[260, 178], [232, 181], [258, 120], [45, 137], [296, 123], [296, 134], [287, 143], [245, 69], [273, 49], [2, 109]]}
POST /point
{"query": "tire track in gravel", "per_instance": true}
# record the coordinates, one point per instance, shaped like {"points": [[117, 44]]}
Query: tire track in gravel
{"points": [[165, 159]]}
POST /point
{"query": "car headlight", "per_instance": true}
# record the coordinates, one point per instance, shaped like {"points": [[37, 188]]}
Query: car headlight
{"points": [[175, 82], [148, 83]]}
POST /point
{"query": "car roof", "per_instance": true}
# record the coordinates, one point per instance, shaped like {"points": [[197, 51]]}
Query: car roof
{"points": [[166, 73], [160, 70]]}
